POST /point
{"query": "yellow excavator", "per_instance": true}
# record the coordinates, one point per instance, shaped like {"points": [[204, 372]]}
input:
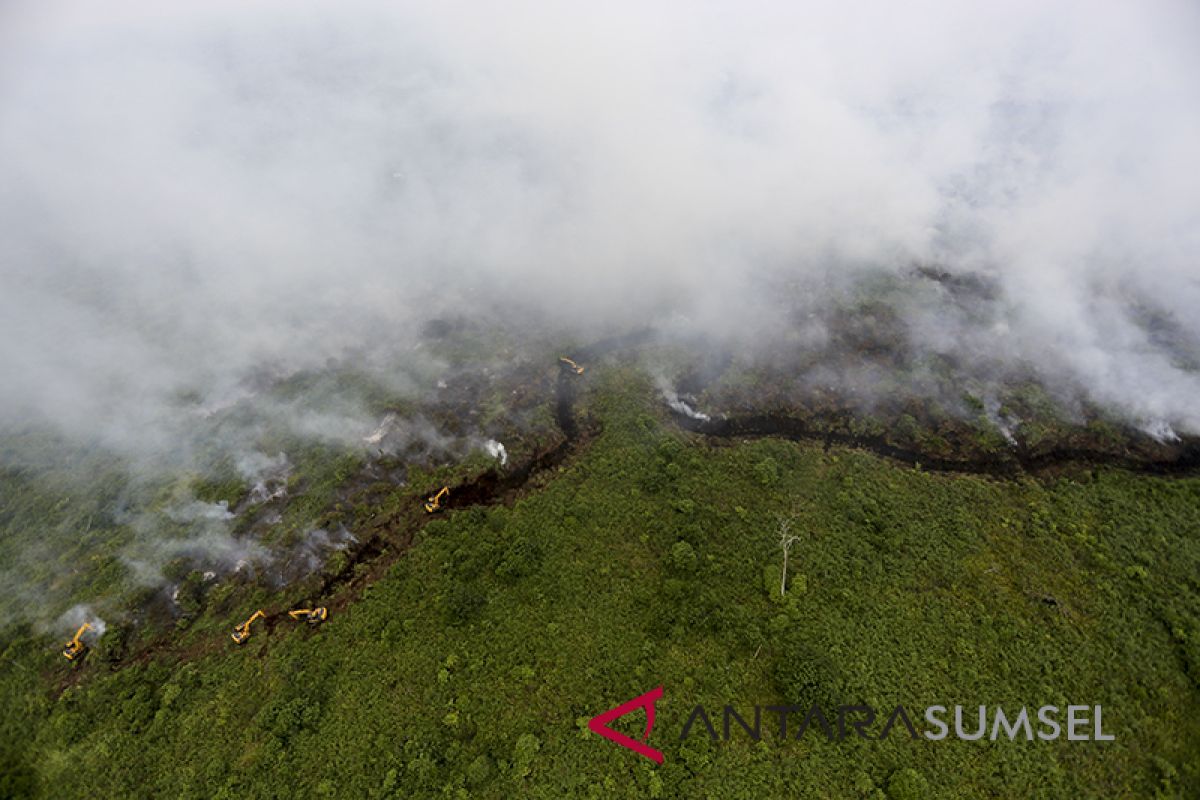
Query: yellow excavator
{"points": [[571, 365], [434, 503], [75, 647], [313, 616], [242, 632]]}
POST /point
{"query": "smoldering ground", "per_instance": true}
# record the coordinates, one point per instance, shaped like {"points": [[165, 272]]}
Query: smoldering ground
{"points": [[193, 198]]}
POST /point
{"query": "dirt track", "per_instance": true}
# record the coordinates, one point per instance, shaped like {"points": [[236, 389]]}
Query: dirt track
{"points": [[1015, 462]]}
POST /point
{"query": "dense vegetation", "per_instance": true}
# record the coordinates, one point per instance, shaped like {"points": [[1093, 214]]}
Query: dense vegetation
{"points": [[471, 667]]}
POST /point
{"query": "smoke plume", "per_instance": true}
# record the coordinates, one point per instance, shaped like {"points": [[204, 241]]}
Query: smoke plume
{"points": [[199, 203]]}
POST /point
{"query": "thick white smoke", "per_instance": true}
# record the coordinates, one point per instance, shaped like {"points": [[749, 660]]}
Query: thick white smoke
{"points": [[190, 194], [73, 618]]}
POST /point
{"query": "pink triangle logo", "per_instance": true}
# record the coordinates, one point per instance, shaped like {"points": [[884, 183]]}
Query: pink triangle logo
{"points": [[599, 724]]}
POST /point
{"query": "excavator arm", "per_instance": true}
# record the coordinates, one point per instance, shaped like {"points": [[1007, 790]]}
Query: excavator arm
{"points": [[434, 502]]}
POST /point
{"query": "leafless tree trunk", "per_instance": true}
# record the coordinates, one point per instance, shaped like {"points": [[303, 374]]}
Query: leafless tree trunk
{"points": [[786, 540]]}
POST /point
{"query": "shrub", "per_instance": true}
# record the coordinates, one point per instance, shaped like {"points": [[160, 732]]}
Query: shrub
{"points": [[806, 676], [524, 753], [479, 770], [772, 575], [462, 602], [683, 557], [907, 784], [767, 472], [523, 557]]}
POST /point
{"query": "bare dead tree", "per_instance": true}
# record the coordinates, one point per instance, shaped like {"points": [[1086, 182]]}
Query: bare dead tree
{"points": [[786, 540]]}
